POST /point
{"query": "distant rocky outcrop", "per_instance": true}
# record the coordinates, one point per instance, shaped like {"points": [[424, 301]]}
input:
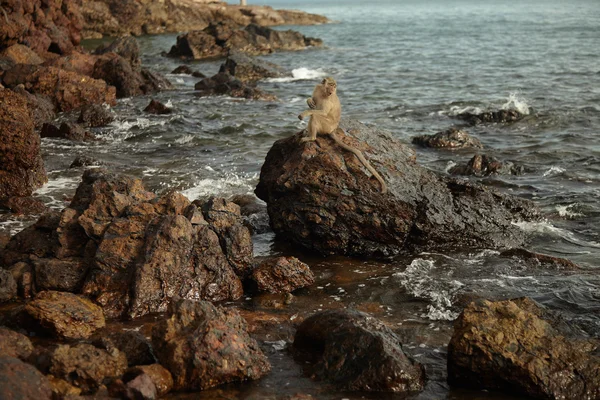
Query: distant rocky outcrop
{"points": [[486, 117], [519, 347], [131, 17], [321, 197], [452, 138], [225, 84], [248, 69], [131, 251], [219, 39], [484, 165]]}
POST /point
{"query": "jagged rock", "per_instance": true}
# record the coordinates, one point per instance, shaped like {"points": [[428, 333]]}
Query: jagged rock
{"points": [[355, 351], [518, 347], [319, 197], [452, 138], [133, 344], [127, 47], [484, 165], [160, 376], [20, 54], [205, 346], [41, 107], [22, 168], [65, 315], [95, 115], [14, 344], [225, 84], [500, 116], [254, 214], [86, 366], [67, 130], [282, 275], [186, 70], [23, 205], [249, 69], [156, 107], [80, 63], [8, 286], [19, 380], [540, 260], [65, 275], [218, 39]]}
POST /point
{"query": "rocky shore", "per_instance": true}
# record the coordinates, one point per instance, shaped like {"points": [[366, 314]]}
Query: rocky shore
{"points": [[126, 293]]}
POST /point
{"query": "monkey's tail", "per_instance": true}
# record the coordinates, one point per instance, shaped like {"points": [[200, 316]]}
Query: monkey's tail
{"points": [[360, 156]]}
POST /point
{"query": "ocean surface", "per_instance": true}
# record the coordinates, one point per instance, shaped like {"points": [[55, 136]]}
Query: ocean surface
{"points": [[407, 67]]}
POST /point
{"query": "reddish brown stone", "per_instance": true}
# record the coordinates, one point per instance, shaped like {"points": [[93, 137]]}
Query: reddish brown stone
{"points": [[19, 380], [14, 344], [282, 275]]}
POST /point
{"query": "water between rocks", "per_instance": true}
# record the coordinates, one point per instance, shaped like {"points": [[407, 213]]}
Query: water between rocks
{"points": [[407, 67]]}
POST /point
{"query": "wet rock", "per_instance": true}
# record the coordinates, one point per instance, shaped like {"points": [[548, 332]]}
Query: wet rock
{"points": [[225, 84], [20, 54], [197, 335], [156, 107], [67, 130], [65, 315], [85, 366], [218, 39], [133, 344], [22, 168], [41, 107], [254, 213], [84, 161], [95, 115], [127, 47], [537, 260], [320, 197], [19, 380], [23, 205], [160, 376], [65, 275], [483, 165], [8, 286], [515, 346], [186, 70], [355, 351], [249, 69], [452, 138], [139, 388], [14, 344], [282, 275], [80, 63], [500, 116], [62, 389]]}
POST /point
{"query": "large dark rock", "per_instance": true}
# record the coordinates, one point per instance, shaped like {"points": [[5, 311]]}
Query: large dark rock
{"points": [[484, 165], [156, 107], [452, 138], [321, 198], [486, 117], [516, 346], [205, 346], [65, 315], [282, 275], [67, 130], [131, 343], [21, 168], [356, 352], [23, 205], [22, 381], [86, 366], [248, 69], [225, 84], [219, 39], [95, 115], [127, 47]]}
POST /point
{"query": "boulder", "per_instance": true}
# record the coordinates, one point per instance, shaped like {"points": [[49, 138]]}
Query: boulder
{"points": [[484, 165], [320, 197], [14, 344], [452, 138], [85, 161], [282, 275], [356, 352], [518, 347], [134, 345], [225, 84], [205, 346], [95, 115], [248, 69], [19, 380], [86, 366], [8, 286], [22, 168], [186, 70], [23, 205], [65, 315], [156, 107], [219, 39], [160, 376], [40, 106], [67, 130], [66, 275], [126, 47], [21, 54], [493, 117], [80, 63]]}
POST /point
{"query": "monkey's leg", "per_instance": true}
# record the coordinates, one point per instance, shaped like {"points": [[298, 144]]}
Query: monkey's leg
{"points": [[313, 128], [362, 159]]}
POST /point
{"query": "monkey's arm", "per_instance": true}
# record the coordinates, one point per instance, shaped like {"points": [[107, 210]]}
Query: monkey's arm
{"points": [[311, 103], [309, 113]]}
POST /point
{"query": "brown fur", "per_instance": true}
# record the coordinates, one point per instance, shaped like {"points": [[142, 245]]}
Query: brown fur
{"points": [[325, 113]]}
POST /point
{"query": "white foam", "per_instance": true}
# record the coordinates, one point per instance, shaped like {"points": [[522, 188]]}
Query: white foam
{"points": [[514, 102], [457, 110], [184, 139], [300, 74], [230, 184], [567, 211], [122, 129], [554, 171], [546, 228]]}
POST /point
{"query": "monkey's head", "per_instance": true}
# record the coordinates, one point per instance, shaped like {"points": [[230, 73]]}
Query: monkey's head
{"points": [[329, 86]]}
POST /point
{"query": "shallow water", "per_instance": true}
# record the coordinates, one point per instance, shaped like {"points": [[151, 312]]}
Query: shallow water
{"points": [[407, 67]]}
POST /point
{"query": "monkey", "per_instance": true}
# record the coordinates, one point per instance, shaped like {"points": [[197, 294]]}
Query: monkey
{"points": [[325, 112]]}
